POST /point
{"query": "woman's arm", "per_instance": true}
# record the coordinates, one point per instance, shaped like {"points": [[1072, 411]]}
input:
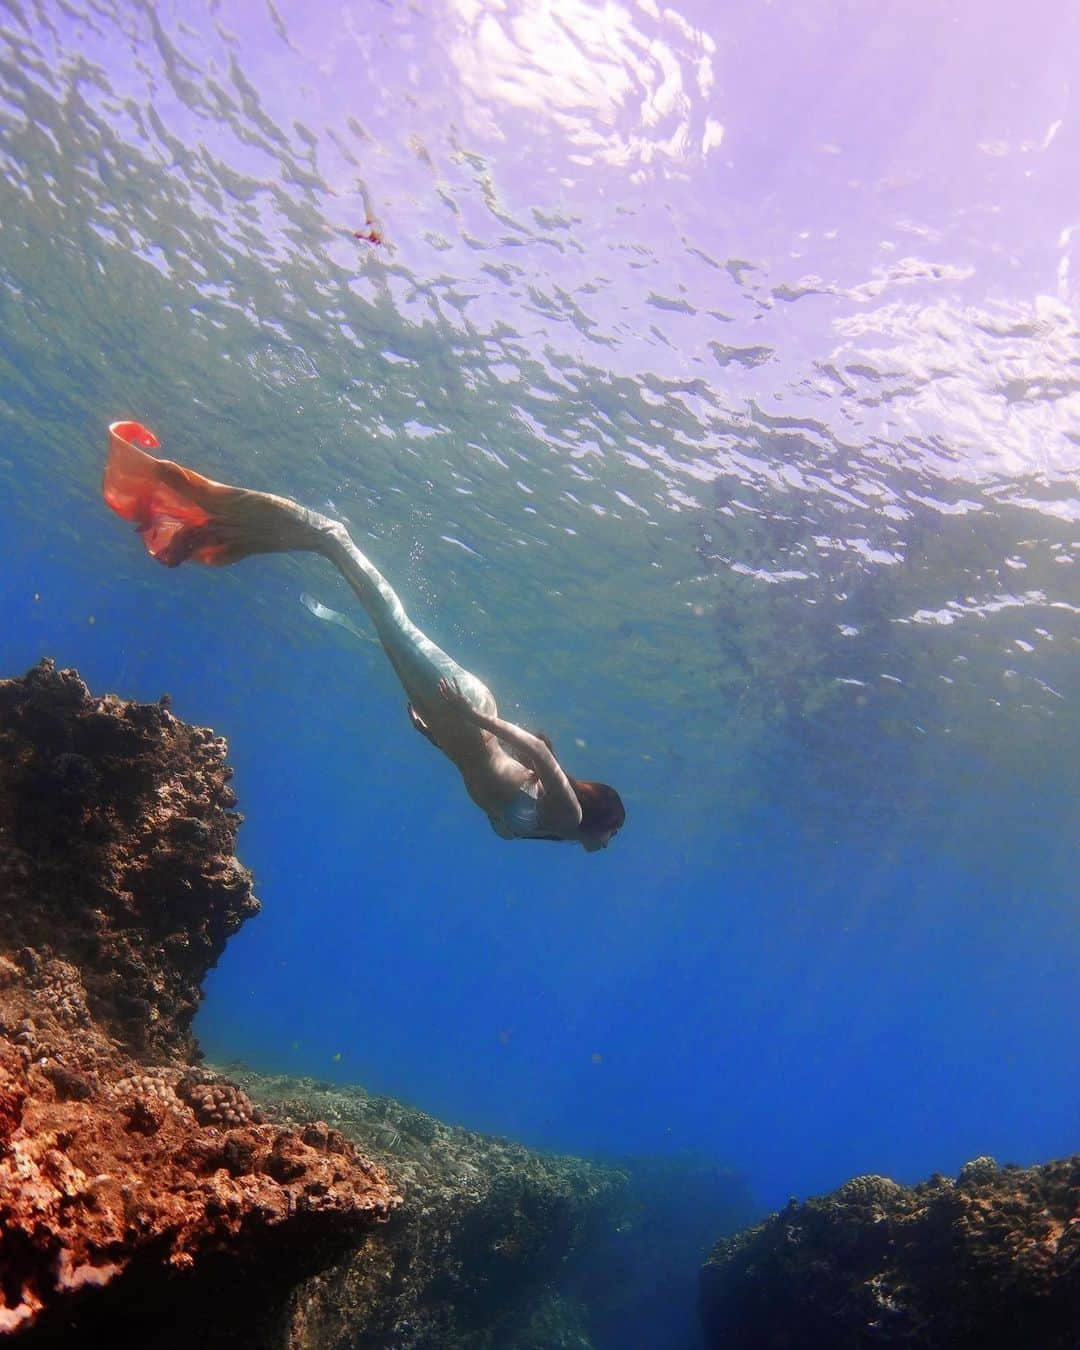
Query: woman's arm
{"points": [[561, 808]]}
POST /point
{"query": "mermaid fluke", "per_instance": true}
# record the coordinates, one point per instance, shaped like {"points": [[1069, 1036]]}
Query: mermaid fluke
{"points": [[183, 516]]}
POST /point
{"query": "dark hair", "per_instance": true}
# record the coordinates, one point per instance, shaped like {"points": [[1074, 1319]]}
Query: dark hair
{"points": [[601, 806]]}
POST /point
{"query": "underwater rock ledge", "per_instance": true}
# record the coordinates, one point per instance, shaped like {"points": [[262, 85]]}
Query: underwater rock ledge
{"points": [[988, 1262], [142, 1198], [145, 1199], [476, 1256]]}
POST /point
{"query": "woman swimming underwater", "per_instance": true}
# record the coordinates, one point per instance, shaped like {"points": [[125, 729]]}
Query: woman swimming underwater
{"points": [[511, 774]]}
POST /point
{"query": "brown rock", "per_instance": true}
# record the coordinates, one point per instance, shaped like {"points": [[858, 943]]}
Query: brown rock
{"points": [[117, 854], [144, 1202], [68, 1085], [135, 1191], [990, 1262]]}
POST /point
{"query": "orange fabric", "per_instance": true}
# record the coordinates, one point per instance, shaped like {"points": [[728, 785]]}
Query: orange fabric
{"points": [[180, 514]]}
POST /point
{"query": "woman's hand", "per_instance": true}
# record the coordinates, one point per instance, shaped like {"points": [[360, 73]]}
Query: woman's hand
{"points": [[451, 693]]}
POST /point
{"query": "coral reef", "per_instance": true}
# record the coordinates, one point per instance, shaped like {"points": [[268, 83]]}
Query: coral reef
{"points": [[988, 1262], [148, 1200], [133, 1184], [469, 1259], [117, 852]]}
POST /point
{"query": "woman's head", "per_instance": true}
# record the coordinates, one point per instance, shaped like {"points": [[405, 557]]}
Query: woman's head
{"points": [[602, 813]]}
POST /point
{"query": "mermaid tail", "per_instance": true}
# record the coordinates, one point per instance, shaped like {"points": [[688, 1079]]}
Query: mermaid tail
{"points": [[183, 516], [324, 612]]}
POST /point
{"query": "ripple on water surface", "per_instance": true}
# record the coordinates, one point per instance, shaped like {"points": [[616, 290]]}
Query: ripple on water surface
{"points": [[764, 414]]}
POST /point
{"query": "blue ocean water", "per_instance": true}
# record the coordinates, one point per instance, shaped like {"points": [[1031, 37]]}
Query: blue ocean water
{"points": [[712, 392]]}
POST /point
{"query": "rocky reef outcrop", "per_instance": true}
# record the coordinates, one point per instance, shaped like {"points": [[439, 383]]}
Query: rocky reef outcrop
{"points": [[149, 1200], [135, 1186], [990, 1261], [475, 1255], [117, 840]]}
